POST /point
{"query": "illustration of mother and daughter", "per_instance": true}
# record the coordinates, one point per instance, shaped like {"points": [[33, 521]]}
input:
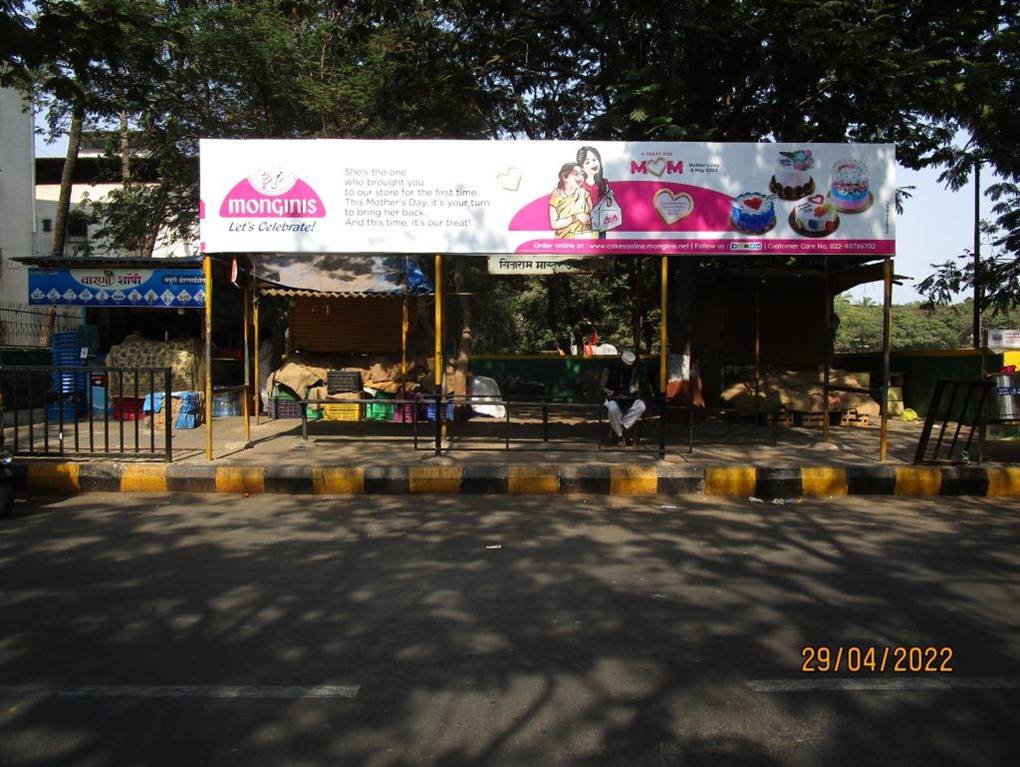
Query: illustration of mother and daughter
{"points": [[582, 206]]}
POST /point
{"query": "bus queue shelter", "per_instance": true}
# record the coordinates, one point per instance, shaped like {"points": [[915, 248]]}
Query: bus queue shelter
{"points": [[482, 198]]}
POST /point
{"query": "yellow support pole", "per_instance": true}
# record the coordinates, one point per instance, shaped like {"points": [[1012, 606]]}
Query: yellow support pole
{"points": [[258, 380], [439, 322], [246, 403], [887, 277], [207, 271], [664, 327], [403, 344]]}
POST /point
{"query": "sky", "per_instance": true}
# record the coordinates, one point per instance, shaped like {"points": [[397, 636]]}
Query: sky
{"points": [[936, 225]]}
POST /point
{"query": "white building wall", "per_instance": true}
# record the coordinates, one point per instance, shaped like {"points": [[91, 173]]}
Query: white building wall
{"points": [[46, 212], [17, 195]]}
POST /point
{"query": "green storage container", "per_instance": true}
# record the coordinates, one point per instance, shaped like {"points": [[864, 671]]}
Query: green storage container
{"points": [[380, 411]]}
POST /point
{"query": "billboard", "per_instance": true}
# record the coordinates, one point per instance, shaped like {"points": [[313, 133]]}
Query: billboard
{"points": [[554, 198], [150, 288]]}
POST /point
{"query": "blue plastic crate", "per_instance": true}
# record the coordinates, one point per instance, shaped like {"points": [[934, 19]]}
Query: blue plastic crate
{"points": [[69, 382], [430, 412], [71, 411]]}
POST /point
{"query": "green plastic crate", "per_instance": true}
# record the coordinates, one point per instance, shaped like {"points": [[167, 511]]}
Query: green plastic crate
{"points": [[380, 411]]}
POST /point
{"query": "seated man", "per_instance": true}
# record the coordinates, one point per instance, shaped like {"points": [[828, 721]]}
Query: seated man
{"points": [[623, 385]]}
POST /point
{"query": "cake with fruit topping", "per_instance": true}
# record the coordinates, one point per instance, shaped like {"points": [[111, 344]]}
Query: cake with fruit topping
{"points": [[791, 179], [753, 213]]}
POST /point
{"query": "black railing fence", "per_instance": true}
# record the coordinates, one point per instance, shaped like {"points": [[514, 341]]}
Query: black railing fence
{"points": [[89, 411], [430, 418]]}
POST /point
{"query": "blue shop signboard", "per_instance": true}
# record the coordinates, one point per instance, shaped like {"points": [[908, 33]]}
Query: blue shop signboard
{"points": [[150, 288]]}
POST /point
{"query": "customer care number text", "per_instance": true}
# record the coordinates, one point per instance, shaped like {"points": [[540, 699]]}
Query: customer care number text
{"points": [[899, 660]]}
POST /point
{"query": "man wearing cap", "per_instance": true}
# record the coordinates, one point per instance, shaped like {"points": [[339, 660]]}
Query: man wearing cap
{"points": [[623, 385]]}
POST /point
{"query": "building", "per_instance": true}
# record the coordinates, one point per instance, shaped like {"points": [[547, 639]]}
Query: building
{"points": [[95, 176], [17, 181]]}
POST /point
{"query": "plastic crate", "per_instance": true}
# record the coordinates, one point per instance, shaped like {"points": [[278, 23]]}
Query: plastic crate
{"points": [[128, 408], [281, 392], [286, 408], [430, 412], [226, 404], [342, 411], [403, 413], [343, 381], [69, 382], [380, 410], [71, 411]]}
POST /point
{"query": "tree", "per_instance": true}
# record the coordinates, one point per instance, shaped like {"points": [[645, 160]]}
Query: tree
{"points": [[16, 54], [788, 70], [989, 92]]}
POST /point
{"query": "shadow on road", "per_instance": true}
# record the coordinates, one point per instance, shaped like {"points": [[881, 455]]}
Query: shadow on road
{"points": [[502, 630]]}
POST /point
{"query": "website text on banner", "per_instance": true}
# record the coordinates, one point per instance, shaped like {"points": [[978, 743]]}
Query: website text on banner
{"points": [[547, 197]]}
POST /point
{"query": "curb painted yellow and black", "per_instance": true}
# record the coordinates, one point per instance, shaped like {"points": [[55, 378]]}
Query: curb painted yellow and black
{"points": [[51, 478]]}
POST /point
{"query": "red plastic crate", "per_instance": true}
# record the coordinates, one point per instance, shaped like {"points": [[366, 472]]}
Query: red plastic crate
{"points": [[128, 408], [404, 413]]}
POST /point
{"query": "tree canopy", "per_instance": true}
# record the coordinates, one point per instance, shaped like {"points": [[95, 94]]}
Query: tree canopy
{"points": [[909, 72]]}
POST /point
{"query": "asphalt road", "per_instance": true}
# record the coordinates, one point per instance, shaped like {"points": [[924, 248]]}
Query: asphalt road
{"points": [[504, 631]]}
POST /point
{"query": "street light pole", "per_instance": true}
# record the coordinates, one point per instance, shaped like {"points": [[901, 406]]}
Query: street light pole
{"points": [[977, 255]]}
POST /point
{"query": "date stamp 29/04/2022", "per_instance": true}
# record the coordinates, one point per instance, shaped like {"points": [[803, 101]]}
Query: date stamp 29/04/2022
{"points": [[872, 659]]}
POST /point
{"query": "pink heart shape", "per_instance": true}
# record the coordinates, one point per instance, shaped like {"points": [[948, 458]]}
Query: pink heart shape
{"points": [[818, 199]]}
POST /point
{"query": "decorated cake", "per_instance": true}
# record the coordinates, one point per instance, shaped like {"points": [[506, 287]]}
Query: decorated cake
{"points": [[753, 213], [850, 192], [816, 215], [791, 179]]}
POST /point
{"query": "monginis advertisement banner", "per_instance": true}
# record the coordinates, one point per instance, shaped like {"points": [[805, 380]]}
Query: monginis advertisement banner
{"points": [[546, 197]]}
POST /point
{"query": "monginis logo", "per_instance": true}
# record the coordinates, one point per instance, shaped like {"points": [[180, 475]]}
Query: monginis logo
{"points": [[656, 167], [272, 194]]}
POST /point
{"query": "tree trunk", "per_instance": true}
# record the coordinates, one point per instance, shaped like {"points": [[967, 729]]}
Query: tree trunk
{"points": [[125, 150], [148, 244], [67, 181], [637, 297], [63, 210], [552, 300], [467, 337]]}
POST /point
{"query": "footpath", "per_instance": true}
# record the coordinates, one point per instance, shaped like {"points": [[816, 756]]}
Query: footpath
{"points": [[379, 459]]}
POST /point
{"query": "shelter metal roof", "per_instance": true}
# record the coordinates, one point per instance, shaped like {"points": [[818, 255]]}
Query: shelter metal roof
{"points": [[109, 262], [331, 275]]}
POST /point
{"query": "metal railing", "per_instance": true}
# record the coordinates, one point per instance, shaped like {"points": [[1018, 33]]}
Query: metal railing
{"points": [[442, 426], [965, 407], [82, 421], [22, 326]]}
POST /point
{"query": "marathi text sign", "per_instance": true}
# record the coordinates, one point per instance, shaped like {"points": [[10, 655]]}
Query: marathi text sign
{"points": [[526, 264], [546, 197], [152, 288]]}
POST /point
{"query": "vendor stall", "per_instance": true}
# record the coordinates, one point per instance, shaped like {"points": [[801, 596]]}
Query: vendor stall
{"points": [[355, 315], [146, 313]]}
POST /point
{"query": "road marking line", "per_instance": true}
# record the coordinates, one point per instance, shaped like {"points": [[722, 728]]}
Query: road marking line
{"points": [[731, 480], [633, 480], [143, 479], [946, 682], [181, 691], [823, 481], [338, 480], [240, 479]]}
